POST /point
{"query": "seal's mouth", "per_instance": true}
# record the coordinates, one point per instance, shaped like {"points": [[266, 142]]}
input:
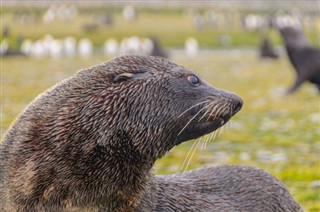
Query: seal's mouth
{"points": [[205, 119], [205, 125], [220, 120], [214, 121]]}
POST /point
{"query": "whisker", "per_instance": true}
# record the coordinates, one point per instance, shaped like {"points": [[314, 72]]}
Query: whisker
{"points": [[190, 150], [219, 131], [220, 111], [193, 107], [227, 109], [228, 125], [213, 109], [207, 111], [211, 104], [214, 135], [191, 120], [205, 139], [194, 150]]}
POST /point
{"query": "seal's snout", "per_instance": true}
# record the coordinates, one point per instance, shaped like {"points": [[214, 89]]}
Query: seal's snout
{"points": [[237, 103]]}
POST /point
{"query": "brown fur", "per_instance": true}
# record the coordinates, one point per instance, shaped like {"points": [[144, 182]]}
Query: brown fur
{"points": [[90, 142], [224, 188]]}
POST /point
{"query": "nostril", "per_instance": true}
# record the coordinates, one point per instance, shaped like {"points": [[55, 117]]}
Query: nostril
{"points": [[237, 104]]}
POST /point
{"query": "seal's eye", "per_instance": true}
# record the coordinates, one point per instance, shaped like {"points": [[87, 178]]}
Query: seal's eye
{"points": [[194, 80]]}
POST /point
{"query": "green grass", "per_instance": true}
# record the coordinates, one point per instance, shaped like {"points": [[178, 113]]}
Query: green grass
{"points": [[269, 121]]}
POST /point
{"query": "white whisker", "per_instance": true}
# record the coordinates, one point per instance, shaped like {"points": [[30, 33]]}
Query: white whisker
{"points": [[193, 107], [214, 135], [194, 150], [218, 132], [212, 111], [228, 125], [220, 111], [190, 150], [211, 104], [227, 110], [191, 120], [205, 139]]}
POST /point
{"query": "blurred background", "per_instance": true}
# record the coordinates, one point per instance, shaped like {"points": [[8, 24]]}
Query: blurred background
{"points": [[234, 45]]}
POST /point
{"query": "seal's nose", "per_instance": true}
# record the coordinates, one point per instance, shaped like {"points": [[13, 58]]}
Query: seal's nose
{"points": [[237, 103]]}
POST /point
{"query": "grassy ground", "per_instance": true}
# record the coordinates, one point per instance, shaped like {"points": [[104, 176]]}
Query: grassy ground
{"points": [[273, 131]]}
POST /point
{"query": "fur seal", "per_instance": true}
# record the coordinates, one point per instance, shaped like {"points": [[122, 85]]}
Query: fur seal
{"points": [[267, 50], [90, 142], [157, 49], [304, 58]]}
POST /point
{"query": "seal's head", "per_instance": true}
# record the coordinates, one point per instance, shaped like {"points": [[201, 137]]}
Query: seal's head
{"points": [[133, 109], [156, 104], [293, 37]]}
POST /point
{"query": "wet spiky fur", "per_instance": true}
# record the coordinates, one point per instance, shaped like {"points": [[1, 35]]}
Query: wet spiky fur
{"points": [[90, 142]]}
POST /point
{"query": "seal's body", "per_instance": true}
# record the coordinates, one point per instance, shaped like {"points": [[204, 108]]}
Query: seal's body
{"points": [[224, 188], [304, 58], [90, 142]]}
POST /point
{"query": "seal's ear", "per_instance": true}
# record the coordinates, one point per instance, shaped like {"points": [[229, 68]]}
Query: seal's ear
{"points": [[123, 77], [126, 76]]}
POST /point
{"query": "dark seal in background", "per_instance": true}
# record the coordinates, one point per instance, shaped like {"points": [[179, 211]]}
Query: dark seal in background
{"points": [[304, 58]]}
